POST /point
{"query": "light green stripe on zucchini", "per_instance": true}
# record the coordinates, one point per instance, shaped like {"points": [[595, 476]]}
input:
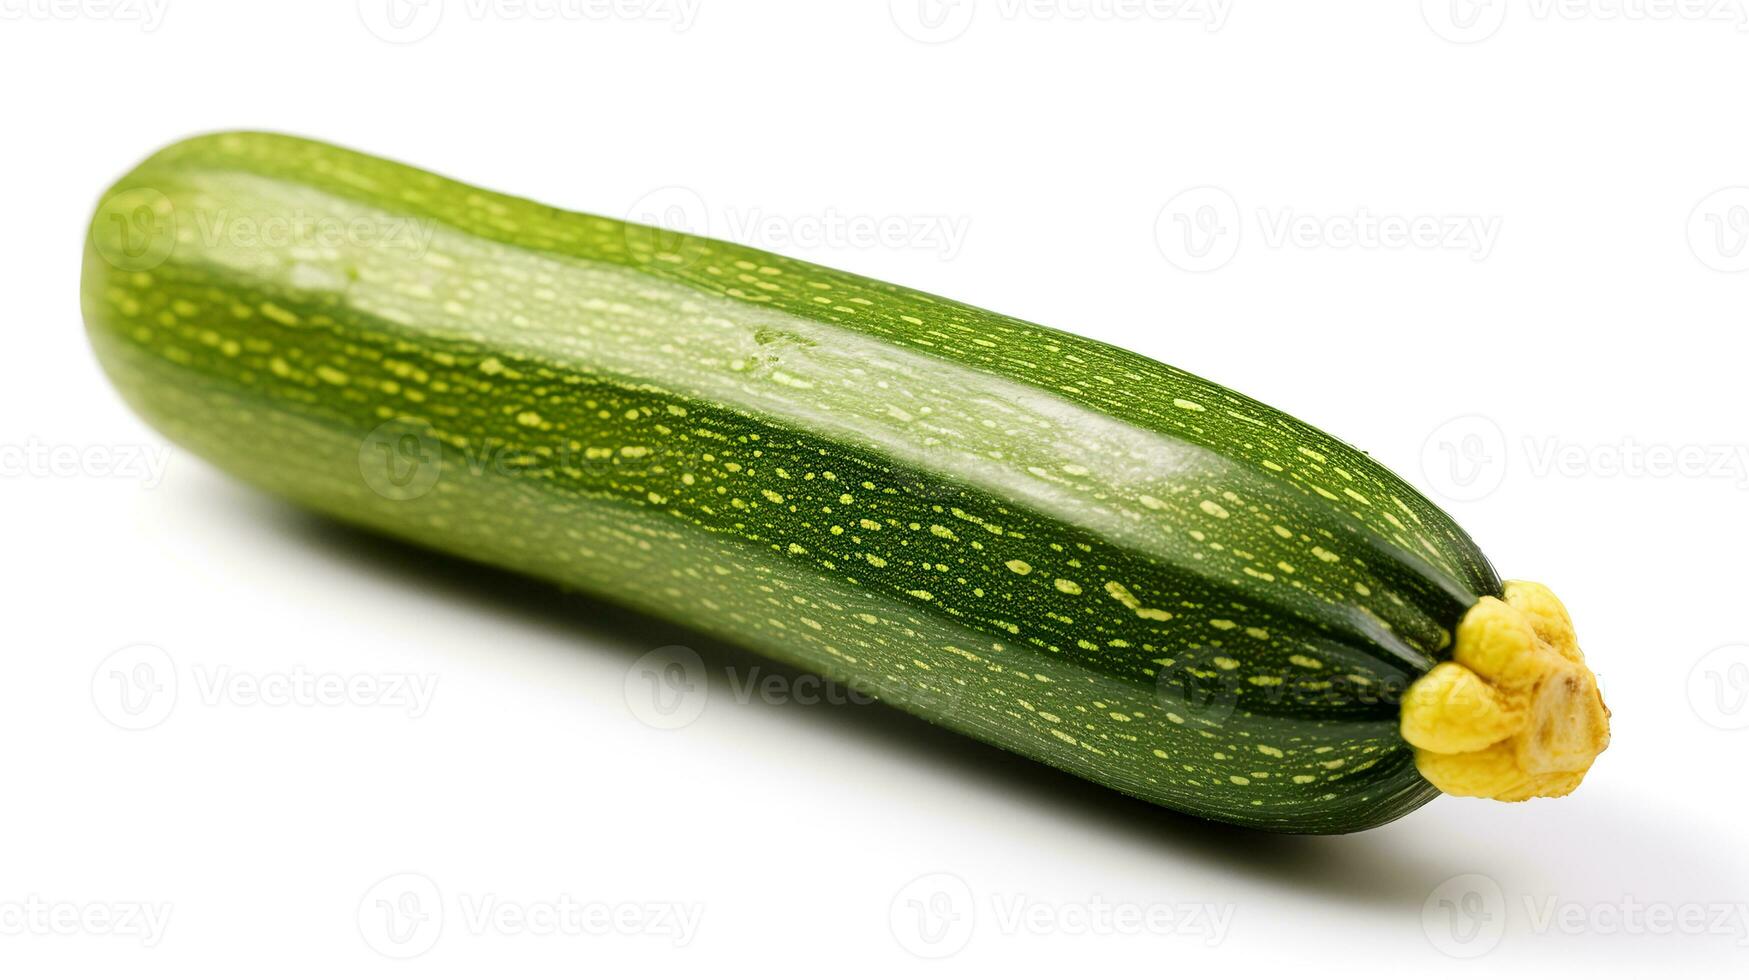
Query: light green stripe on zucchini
{"points": [[1042, 541]]}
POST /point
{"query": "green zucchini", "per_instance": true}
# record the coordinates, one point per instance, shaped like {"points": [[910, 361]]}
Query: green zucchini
{"points": [[1041, 541]]}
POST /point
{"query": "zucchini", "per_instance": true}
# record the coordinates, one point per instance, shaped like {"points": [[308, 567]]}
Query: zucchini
{"points": [[1053, 545]]}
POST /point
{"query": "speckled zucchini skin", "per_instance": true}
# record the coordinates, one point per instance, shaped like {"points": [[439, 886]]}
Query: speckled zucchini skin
{"points": [[1044, 542]]}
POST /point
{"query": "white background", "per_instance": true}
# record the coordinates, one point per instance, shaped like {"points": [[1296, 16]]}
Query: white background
{"points": [[1579, 313]]}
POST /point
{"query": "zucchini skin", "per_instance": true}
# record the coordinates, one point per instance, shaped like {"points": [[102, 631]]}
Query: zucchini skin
{"points": [[1050, 544]]}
